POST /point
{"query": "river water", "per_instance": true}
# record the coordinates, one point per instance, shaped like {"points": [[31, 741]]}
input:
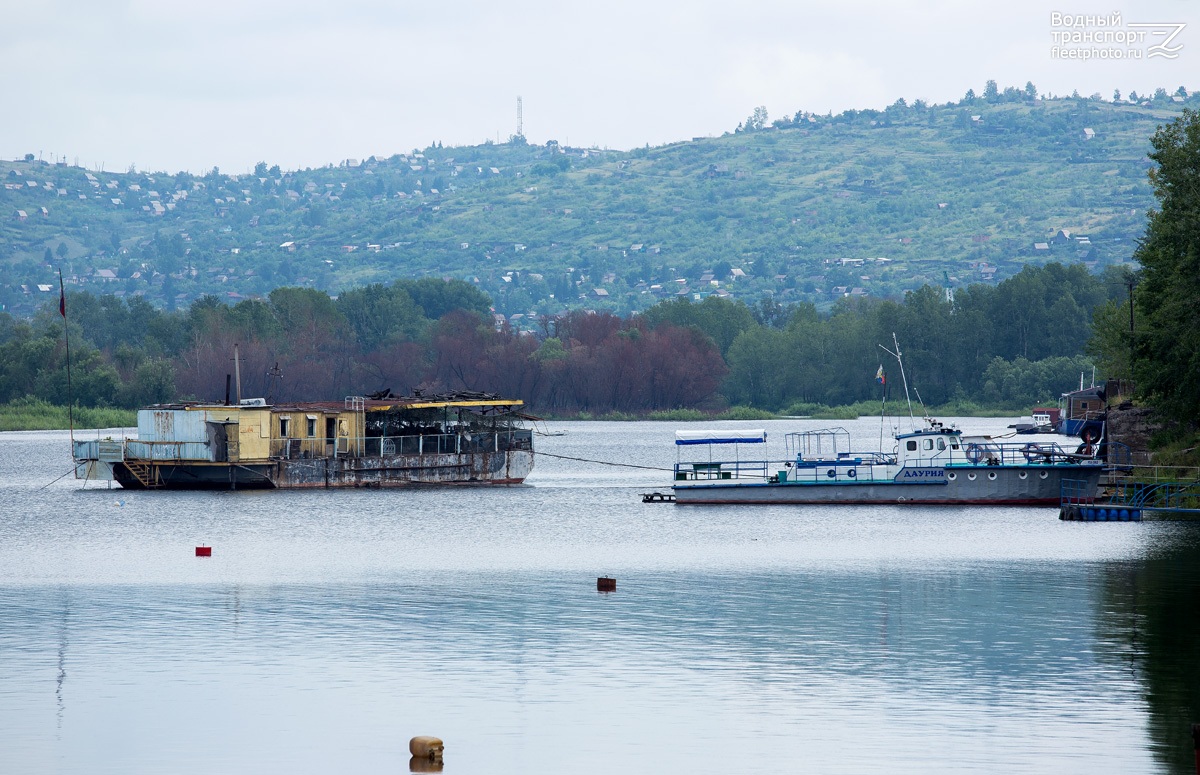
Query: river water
{"points": [[328, 628]]}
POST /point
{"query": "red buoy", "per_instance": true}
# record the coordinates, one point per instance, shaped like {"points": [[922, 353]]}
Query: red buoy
{"points": [[605, 584], [204, 551]]}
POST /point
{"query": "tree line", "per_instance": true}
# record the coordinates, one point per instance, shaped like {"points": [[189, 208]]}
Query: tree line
{"points": [[1157, 342], [1019, 342], [302, 344]]}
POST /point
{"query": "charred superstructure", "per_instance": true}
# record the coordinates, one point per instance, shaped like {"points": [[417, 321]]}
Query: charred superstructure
{"points": [[380, 441]]}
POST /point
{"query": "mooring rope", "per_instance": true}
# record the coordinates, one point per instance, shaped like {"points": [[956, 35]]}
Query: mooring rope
{"points": [[602, 462], [72, 470]]}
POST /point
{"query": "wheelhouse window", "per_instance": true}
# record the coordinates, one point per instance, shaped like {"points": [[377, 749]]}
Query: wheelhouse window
{"points": [[912, 445], [285, 424], [928, 444], [942, 444]]}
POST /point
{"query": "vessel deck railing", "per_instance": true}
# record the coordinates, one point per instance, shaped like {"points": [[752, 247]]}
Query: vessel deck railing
{"points": [[846, 467], [876, 466], [123, 450], [1009, 454], [120, 450], [415, 444], [449, 443], [1118, 456], [710, 470]]}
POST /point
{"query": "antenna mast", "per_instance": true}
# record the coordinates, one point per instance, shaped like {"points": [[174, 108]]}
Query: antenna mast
{"points": [[520, 118], [62, 308], [237, 372], [900, 360]]}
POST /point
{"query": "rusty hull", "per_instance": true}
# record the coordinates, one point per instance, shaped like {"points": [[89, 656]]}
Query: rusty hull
{"points": [[388, 471], [509, 467]]}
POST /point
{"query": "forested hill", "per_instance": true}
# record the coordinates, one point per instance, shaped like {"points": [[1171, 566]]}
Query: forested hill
{"points": [[807, 208]]}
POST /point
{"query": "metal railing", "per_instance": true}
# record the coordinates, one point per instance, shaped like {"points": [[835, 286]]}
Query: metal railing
{"points": [[120, 450], [424, 444], [1076, 492], [718, 470], [1170, 496], [1008, 454], [1182, 496], [845, 468]]}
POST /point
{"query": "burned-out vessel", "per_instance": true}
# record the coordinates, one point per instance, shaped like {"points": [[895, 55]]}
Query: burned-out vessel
{"points": [[380, 441]]}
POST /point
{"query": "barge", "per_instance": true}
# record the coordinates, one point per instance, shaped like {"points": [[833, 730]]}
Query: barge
{"points": [[383, 441]]}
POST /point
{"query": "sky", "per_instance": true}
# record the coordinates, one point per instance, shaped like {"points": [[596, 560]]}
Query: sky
{"points": [[188, 84]]}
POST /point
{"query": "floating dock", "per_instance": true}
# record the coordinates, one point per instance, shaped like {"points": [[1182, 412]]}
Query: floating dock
{"points": [[1132, 501]]}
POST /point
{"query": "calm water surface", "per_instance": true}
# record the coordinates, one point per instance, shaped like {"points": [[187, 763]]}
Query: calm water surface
{"points": [[329, 627]]}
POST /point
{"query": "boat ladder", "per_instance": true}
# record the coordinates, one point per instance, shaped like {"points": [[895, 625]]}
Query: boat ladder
{"points": [[145, 473]]}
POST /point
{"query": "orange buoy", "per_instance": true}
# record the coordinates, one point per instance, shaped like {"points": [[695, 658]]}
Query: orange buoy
{"points": [[605, 584], [426, 748], [204, 551]]}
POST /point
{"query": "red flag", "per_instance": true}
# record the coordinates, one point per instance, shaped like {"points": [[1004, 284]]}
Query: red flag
{"points": [[62, 296]]}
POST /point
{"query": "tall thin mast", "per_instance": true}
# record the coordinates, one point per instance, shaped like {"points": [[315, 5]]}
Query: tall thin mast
{"points": [[62, 310], [896, 355], [237, 373]]}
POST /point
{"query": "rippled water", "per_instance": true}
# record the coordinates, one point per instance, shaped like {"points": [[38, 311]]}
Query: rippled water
{"points": [[329, 627]]}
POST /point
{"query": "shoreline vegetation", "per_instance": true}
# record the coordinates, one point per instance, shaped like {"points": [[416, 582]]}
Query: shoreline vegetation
{"points": [[806, 412], [34, 414]]}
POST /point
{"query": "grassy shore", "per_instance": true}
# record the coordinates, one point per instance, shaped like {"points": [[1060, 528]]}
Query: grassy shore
{"points": [[815, 411], [33, 414]]}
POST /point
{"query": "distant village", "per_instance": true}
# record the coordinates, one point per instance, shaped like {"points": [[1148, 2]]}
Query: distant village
{"points": [[175, 238]]}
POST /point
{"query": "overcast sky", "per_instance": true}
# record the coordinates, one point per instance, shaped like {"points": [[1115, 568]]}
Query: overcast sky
{"points": [[169, 85]]}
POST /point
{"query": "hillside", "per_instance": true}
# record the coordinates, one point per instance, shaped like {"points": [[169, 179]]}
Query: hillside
{"points": [[809, 208]]}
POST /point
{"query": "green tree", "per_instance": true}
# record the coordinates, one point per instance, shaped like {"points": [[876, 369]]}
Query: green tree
{"points": [[436, 297], [316, 215], [759, 373], [1167, 346], [758, 119], [722, 320], [378, 314], [1110, 340]]}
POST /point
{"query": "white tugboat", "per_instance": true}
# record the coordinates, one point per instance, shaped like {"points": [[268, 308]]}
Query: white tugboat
{"points": [[935, 465]]}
